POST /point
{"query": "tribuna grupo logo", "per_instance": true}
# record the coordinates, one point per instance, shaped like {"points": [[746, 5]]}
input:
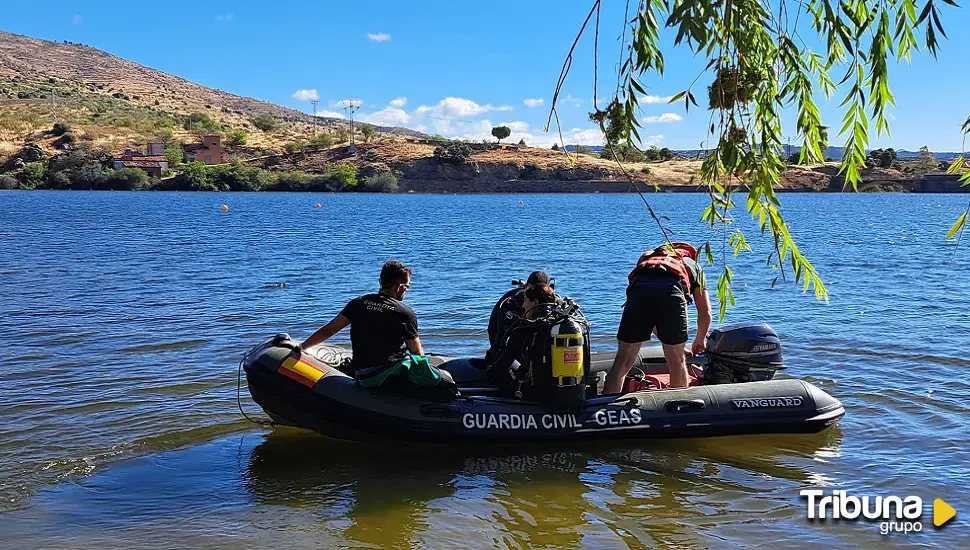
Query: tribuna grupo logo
{"points": [[894, 514]]}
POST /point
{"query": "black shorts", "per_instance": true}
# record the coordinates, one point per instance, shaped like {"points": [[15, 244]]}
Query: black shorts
{"points": [[654, 302]]}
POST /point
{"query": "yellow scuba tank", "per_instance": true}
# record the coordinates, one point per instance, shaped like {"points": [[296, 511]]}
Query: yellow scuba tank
{"points": [[568, 360]]}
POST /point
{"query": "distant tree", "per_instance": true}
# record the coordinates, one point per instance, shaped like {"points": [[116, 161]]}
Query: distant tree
{"points": [[522, 142], [384, 182], [237, 138], [555, 146], [174, 155], [265, 123], [501, 132], [341, 135], [583, 150], [666, 154], [653, 153], [367, 131], [322, 140]]}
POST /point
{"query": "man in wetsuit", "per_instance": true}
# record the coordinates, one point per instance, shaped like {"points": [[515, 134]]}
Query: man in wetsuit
{"points": [[506, 311], [382, 329], [661, 285], [523, 343]]}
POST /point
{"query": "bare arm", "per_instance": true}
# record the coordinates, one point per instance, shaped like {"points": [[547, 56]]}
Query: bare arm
{"points": [[337, 324], [702, 302], [414, 346]]}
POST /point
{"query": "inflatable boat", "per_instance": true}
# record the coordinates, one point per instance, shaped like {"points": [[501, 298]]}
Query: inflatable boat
{"points": [[308, 390]]}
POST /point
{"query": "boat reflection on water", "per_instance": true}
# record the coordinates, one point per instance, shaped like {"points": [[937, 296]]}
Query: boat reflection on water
{"points": [[668, 492]]}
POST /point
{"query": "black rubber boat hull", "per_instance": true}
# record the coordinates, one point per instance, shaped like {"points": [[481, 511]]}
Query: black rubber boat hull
{"points": [[335, 406]]}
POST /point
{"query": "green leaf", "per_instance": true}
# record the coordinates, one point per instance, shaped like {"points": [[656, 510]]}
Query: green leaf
{"points": [[957, 226]]}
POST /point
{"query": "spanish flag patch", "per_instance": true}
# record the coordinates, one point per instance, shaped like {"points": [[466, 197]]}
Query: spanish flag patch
{"points": [[303, 371]]}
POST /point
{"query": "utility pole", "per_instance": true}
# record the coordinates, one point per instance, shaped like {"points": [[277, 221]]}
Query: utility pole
{"points": [[350, 106], [314, 102]]}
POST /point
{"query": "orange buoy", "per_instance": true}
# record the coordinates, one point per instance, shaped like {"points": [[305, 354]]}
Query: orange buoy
{"points": [[317, 205], [224, 208]]}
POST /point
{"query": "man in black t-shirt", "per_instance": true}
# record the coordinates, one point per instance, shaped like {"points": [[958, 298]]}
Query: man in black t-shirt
{"points": [[382, 329]]}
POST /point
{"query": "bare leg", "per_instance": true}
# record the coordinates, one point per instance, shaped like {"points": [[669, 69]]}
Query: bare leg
{"points": [[676, 365], [626, 355]]}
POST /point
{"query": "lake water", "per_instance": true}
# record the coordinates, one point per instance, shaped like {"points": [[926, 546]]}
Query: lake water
{"points": [[125, 314]]}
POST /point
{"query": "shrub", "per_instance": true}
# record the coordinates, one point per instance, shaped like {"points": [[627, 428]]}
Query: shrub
{"points": [[199, 122], [237, 138], [126, 179], [522, 142], [175, 155], [367, 131], [322, 140], [194, 177], [341, 135], [666, 154], [292, 181], [8, 182], [66, 140], [295, 146], [501, 132], [455, 152], [240, 177], [385, 182], [342, 176], [265, 123], [555, 146], [60, 128], [58, 180], [644, 169], [32, 175], [583, 150]]}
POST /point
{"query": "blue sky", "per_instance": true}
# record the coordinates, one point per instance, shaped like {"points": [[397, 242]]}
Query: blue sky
{"points": [[454, 68]]}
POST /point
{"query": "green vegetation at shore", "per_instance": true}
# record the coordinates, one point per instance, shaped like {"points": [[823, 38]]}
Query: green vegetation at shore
{"points": [[91, 169]]}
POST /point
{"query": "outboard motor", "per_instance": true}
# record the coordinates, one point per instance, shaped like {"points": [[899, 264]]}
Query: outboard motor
{"points": [[743, 352]]}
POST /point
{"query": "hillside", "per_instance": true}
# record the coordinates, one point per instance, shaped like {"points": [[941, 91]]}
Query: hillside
{"points": [[118, 103]]}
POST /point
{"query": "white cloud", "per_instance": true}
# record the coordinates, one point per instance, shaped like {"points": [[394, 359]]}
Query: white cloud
{"points": [[398, 102], [388, 116], [574, 101], [457, 107], [77, 19], [306, 95], [656, 99], [517, 126], [651, 140], [224, 17], [379, 37], [534, 102], [664, 118], [329, 114]]}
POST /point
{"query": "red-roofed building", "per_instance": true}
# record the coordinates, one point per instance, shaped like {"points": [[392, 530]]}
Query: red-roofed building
{"points": [[154, 163], [209, 151]]}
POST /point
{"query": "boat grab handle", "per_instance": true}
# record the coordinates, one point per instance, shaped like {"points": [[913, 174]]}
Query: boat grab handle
{"points": [[440, 411], [683, 405]]}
